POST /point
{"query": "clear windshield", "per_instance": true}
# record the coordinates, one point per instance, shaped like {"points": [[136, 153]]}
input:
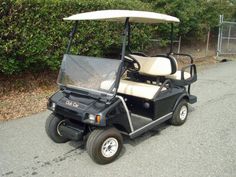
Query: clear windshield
{"points": [[88, 73]]}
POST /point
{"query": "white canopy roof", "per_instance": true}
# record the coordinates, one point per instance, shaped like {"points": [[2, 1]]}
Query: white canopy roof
{"points": [[121, 15]]}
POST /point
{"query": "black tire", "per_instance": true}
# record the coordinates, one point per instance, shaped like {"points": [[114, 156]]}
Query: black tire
{"points": [[177, 119], [51, 127], [96, 141]]}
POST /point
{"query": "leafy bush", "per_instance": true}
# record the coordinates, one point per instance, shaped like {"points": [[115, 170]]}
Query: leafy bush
{"points": [[196, 16], [33, 35]]}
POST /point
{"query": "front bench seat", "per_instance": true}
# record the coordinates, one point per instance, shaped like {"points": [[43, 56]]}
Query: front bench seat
{"points": [[137, 89], [152, 66]]}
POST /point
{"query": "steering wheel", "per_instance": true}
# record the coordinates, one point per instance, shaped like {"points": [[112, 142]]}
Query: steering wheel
{"points": [[131, 63]]}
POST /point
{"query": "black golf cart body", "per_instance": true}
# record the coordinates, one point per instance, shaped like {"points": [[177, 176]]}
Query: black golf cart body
{"points": [[97, 93]]}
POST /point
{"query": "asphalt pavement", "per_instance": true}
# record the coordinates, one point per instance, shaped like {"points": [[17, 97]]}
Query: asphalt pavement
{"points": [[205, 146]]}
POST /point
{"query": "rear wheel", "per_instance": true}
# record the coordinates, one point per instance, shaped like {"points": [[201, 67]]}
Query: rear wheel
{"points": [[180, 114], [52, 129], [104, 145]]}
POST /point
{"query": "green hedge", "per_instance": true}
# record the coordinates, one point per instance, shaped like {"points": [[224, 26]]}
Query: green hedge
{"points": [[33, 35], [196, 16]]}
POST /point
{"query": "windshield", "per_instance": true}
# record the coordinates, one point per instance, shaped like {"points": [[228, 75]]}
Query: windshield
{"points": [[90, 74]]}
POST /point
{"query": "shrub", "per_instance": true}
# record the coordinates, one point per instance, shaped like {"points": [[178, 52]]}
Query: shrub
{"points": [[196, 16], [33, 35]]}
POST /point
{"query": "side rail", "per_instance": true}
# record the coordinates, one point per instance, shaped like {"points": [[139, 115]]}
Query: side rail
{"points": [[191, 79], [193, 72], [138, 53], [185, 55], [167, 84]]}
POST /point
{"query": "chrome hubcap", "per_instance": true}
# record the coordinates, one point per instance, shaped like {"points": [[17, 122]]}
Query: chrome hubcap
{"points": [[109, 147], [183, 112], [60, 123]]}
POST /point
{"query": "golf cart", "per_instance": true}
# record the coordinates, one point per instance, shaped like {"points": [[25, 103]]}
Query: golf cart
{"points": [[101, 99]]}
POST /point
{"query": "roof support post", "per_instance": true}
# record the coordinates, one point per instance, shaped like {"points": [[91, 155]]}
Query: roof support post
{"points": [[125, 34], [129, 37], [72, 33], [171, 39], [121, 67]]}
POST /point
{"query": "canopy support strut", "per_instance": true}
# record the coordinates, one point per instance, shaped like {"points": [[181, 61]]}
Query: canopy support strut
{"points": [[71, 37], [120, 70], [129, 37], [171, 39]]}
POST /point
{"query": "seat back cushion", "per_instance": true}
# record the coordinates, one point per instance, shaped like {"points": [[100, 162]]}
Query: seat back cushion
{"points": [[137, 89], [155, 66]]}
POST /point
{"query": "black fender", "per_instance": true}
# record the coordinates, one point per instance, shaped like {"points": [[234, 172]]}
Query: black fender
{"points": [[183, 96]]}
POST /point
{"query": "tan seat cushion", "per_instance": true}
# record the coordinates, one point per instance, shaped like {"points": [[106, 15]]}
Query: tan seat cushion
{"points": [[141, 90], [155, 66], [159, 66], [177, 75]]}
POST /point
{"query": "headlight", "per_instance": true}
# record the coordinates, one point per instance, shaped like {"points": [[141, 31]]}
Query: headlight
{"points": [[53, 106], [94, 118], [91, 117]]}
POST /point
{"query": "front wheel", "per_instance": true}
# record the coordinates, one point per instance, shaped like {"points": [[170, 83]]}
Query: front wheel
{"points": [[180, 114], [52, 129], [104, 145]]}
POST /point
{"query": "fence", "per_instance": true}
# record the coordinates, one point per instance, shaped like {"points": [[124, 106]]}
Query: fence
{"points": [[198, 49], [226, 38]]}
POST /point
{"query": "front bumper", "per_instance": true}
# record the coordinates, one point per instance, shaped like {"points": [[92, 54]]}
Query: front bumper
{"points": [[72, 132]]}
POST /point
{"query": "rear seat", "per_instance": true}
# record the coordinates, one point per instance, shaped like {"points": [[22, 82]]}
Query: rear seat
{"points": [[177, 75], [156, 66], [147, 67]]}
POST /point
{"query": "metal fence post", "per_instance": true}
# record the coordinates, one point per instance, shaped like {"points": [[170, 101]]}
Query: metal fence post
{"points": [[218, 44], [207, 42], [229, 35]]}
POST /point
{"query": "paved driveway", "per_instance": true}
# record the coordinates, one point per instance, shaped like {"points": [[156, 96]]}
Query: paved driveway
{"points": [[204, 146]]}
